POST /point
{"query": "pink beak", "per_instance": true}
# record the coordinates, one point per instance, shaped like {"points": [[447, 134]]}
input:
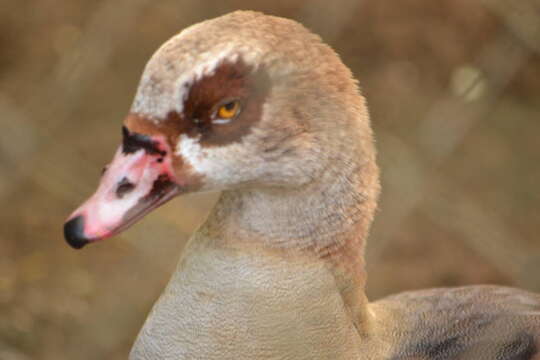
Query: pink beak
{"points": [[139, 179]]}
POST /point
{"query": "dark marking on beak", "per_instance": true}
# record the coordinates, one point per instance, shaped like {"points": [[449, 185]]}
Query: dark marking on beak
{"points": [[161, 185], [133, 142], [74, 232], [160, 188], [124, 187]]}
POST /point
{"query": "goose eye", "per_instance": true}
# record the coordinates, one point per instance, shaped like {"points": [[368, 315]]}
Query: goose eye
{"points": [[228, 110]]}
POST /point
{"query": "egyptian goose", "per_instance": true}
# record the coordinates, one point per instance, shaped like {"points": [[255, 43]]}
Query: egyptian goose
{"points": [[260, 108]]}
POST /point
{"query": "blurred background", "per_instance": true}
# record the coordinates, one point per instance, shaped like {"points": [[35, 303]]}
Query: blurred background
{"points": [[454, 93]]}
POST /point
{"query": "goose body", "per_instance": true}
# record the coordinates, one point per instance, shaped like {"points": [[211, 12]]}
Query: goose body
{"points": [[261, 109]]}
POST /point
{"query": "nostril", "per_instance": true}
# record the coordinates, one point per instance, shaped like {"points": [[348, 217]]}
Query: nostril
{"points": [[124, 187]]}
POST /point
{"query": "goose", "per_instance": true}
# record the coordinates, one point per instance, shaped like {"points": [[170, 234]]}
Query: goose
{"points": [[259, 108]]}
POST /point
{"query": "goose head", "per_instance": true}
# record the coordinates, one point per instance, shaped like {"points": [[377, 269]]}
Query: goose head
{"points": [[242, 101]]}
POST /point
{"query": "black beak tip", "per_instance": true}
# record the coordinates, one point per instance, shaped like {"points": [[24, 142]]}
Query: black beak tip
{"points": [[74, 232]]}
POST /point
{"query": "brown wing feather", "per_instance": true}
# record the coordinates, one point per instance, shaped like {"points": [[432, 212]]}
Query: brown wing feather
{"points": [[477, 322]]}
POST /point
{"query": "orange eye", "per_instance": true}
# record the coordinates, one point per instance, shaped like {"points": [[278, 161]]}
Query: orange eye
{"points": [[229, 110]]}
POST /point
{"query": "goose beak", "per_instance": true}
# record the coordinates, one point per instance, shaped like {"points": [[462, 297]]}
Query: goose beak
{"points": [[139, 179]]}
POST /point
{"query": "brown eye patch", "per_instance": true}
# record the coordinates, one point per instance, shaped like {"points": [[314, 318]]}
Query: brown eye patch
{"points": [[229, 82]]}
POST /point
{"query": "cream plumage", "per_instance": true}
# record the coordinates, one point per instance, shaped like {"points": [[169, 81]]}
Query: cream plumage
{"points": [[259, 107]]}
